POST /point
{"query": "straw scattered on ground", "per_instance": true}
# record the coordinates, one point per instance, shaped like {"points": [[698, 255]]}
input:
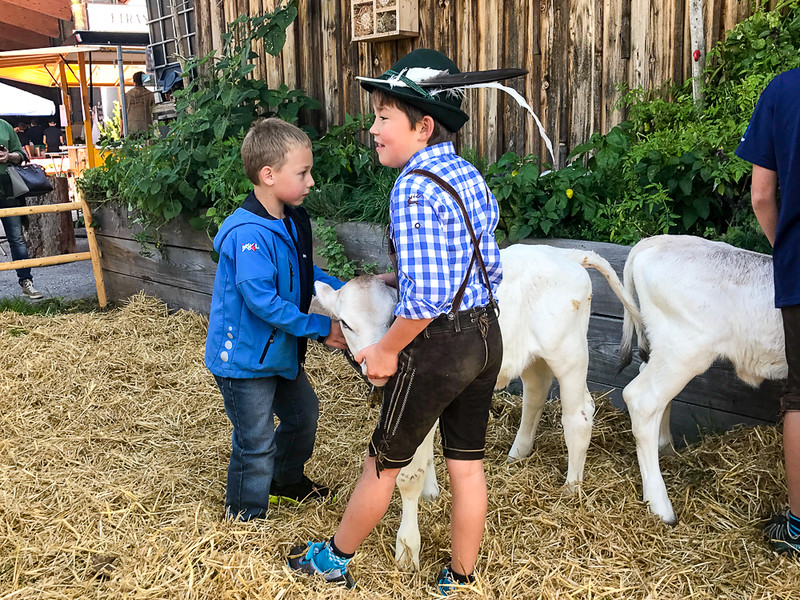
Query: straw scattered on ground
{"points": [[114, 446]]}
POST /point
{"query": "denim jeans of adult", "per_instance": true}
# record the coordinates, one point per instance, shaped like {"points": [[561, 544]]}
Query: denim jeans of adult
{"points": [[259, 451], [16, 241]]}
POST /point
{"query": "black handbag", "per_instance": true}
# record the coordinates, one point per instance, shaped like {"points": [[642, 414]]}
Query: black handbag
{"points": [[32, 177]]}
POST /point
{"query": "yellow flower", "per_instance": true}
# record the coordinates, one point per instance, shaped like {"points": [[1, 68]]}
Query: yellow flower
{"points": [[570, 193], [514, 173]]}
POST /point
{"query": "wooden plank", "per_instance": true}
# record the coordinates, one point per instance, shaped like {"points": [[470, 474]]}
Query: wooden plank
{"points": [[640, 32], [172, 266], [547, 59], [349, 51], [466, 19], [202, 19], [114, 221], [615, 63], [513, 118], [24, 18], [581, 71], [120, 287], [309, 46], [22, 38], [330, 63], [533, 84], [487, 39], [60, 9], [680, 59]]}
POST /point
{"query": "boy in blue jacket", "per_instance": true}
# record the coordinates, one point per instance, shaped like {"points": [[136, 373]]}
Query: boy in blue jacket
{"points": [[259, 324]]}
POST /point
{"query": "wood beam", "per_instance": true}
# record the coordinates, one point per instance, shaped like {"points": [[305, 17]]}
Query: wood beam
{"points": [[22, 38], [25, 19], [60, 9]]}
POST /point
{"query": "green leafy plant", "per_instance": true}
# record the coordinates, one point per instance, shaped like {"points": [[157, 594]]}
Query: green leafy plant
{"points": [[331, 249]]}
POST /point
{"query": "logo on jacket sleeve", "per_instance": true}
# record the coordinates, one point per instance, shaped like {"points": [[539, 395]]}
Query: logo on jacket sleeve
{"points": [[250, 246]]}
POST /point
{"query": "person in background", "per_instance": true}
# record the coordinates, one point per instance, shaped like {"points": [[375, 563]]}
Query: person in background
{"points": [[139, 105], [11, 153], [21, 133], [772, 144], [53, 137], [35, 133]]}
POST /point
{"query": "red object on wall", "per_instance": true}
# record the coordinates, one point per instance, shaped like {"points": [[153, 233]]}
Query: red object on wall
{"points": [[696, 55]]}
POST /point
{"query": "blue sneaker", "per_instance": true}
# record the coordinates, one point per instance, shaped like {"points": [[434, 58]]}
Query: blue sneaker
{"points": [[316, 558], [447, 584], [780, 537]]}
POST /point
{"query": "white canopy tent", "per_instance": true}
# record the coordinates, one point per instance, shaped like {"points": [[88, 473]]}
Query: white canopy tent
{"points": [[14, 101]]}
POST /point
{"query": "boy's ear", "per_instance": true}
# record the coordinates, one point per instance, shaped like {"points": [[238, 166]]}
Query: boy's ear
{"points": [[425, 128], [265, 175]]}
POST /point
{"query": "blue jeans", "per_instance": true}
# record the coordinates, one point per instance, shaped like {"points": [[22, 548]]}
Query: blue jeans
{"points": [[16, 241], [259, 451]]}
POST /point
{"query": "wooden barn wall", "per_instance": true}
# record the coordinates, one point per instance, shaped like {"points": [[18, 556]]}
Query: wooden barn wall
{"points": [[577, 52]]}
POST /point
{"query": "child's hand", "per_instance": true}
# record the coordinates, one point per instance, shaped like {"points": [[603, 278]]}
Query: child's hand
{"points": [[380, 365], [335, 338]]}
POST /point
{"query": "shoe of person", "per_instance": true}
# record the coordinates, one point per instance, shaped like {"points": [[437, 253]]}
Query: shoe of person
{"points": [[29, 291], [779, 536], [447, 585], [303, 490], [306, 559]]}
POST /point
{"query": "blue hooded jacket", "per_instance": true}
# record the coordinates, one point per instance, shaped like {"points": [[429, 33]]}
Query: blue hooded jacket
{"points": [[262, 290]]}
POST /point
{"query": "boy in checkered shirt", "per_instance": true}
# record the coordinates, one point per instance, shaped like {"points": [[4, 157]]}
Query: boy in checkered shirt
{"points": [[443, 352]]}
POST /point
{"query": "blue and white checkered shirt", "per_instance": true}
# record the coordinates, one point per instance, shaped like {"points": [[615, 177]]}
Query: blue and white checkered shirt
{"points": [[431, 240]]}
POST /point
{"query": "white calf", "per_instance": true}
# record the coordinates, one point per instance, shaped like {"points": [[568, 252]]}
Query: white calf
{"points": [[699, 301], [544, 302]]}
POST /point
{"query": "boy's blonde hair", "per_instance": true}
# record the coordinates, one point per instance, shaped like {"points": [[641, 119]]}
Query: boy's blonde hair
{"points": [[268, 142]]}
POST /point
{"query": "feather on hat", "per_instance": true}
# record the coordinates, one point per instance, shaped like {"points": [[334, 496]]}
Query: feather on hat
{"points": [[430, 81]]}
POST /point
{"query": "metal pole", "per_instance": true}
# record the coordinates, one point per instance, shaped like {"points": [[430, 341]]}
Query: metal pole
{"points": [[123, 103]]}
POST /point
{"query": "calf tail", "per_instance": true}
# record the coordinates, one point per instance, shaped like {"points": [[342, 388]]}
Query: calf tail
{"points": [[631, 321]]}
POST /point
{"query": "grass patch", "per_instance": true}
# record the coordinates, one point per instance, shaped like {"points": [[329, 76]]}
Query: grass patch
{"points": [[48, 306]]}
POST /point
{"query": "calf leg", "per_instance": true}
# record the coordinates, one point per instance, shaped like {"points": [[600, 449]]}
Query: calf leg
{"points": [[647, 398], [536, 380], [577, 416], [411, 481], [665, 444]]}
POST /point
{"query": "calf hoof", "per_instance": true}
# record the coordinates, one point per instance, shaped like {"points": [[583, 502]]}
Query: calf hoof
{"points": [[666, 514], [571, 487], [405, 556]]}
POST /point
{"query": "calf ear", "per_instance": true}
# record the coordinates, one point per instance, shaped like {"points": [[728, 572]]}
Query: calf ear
{"points": [[326, 296]]}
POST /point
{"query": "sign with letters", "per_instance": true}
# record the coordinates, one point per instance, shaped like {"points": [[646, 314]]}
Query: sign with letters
{"points": [[131, 16]]}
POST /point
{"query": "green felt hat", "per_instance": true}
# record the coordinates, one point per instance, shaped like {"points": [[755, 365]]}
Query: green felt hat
{"points": [[403, 80], [430, 81]]}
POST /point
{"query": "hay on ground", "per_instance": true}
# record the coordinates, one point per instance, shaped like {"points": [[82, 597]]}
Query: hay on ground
{"points": [[114, 446]]}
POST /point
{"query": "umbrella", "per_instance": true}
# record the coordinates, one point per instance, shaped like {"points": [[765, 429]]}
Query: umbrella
{"points": [[14, 101]]}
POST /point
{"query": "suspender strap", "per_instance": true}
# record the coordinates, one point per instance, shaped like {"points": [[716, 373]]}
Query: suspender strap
{"points": [[476, 255]]}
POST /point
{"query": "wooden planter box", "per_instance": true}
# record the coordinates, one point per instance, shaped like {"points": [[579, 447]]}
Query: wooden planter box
{"points": [[378, 20], [182, 274]]}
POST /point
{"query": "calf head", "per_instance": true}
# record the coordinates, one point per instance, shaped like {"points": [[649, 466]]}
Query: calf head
{"points": [[363, 307]]}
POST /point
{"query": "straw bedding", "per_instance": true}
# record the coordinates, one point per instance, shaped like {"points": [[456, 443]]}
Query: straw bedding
{"points": [[114, 446]]}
